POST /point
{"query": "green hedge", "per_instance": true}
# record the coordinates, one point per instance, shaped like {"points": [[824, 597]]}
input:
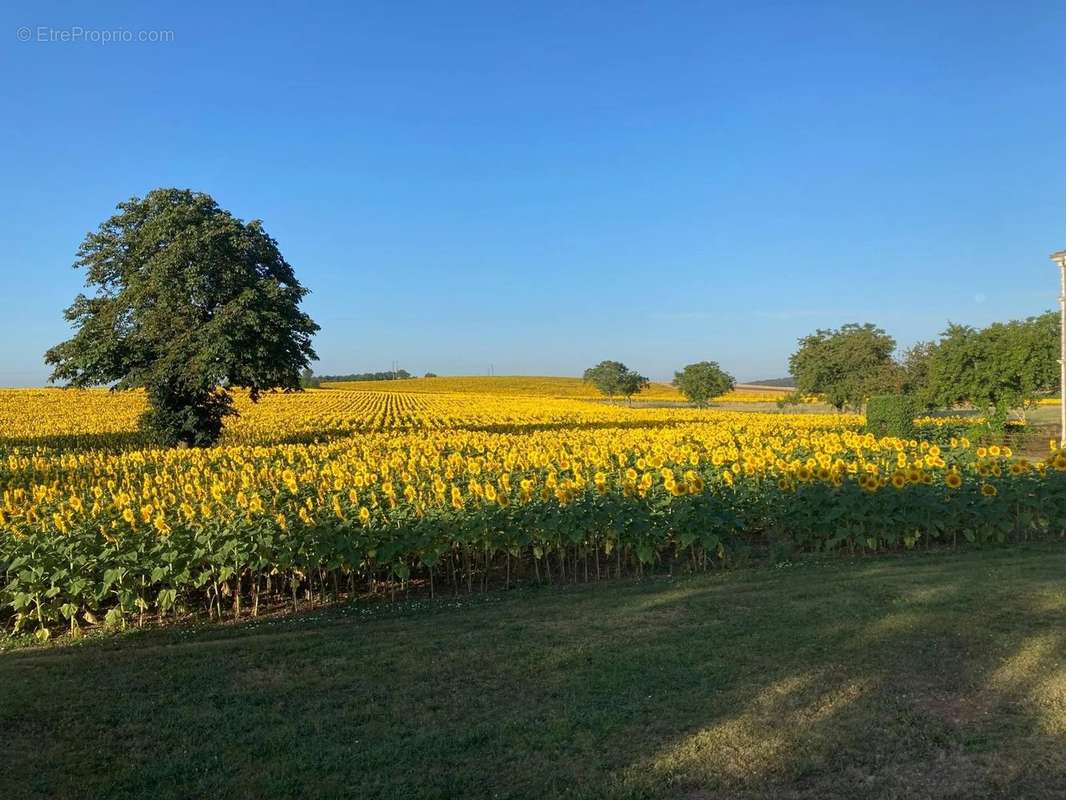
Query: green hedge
{"points": [[891, 415]]}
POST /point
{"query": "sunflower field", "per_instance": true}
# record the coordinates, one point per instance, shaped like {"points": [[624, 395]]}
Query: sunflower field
{"points": [[567, 388], [327, 493]]}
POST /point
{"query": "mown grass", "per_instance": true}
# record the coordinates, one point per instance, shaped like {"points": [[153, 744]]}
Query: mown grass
{"points": [[929, 676]]}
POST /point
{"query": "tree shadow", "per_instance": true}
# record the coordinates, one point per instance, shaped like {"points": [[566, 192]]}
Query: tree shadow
{"points": [[917, 677], [119, 440], [910, 701], [570, 425]]}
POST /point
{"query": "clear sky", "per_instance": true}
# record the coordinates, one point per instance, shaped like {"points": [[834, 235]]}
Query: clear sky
{"points": [[539, 186]]}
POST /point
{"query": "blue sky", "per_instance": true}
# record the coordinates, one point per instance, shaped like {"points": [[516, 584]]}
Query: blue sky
{"points": [[540, 186]]}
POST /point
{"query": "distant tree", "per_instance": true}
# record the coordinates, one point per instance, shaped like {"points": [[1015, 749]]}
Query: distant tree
{"points": [[308, 379], [703, 381], [188, 301], [390, 375], [606, 377], [632, 384], [846, 365], [430, 375], [784, 383], [1004, 366], [614, 378]]}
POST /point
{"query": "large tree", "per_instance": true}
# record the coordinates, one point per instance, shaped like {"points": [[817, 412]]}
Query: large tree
{"points": [[703, 381], [187, 301], [845, 365], [613, 378], [1006, 365]]}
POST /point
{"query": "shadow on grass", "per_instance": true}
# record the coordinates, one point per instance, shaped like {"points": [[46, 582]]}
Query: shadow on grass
{"points": [[938, 677]]}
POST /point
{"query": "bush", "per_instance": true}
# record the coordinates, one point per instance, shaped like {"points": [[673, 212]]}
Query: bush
{"points": [[891, 415]]}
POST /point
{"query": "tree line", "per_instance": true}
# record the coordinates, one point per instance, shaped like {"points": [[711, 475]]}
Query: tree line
{"points": [[996, 369], [392, 374], [1004, 366]]}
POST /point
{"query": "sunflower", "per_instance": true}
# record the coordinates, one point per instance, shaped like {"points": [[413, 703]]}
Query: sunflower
{"points": [[988, 490], [953, 480]]}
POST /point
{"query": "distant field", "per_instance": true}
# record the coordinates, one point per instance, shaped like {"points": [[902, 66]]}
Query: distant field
{"points": [[533, 386], [507, 385]]}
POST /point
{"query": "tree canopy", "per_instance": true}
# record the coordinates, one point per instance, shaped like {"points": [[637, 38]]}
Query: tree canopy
{"points": [[914, 373], [613, 378], [1006, 365], [187, 301], [703, 381], [845, 365]]}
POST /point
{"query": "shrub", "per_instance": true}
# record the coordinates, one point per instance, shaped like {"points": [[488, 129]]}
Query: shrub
{"points": [[891, 415]]}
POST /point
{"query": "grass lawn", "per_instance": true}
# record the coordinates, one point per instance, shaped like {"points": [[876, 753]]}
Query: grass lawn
{"points": [[925, 676]]}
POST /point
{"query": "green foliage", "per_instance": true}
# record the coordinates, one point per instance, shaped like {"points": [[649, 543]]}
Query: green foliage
{"points": [[891, 415], [1006, 365], [613, 378], [782, 383], [48, 579], [188, 298], [388, 375], [846, 365], [703, 381], [308, 380], [430, 375], [914, 367]]}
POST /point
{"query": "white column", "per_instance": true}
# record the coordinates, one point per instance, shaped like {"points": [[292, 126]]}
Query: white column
{"points": [[1060, 259]]}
